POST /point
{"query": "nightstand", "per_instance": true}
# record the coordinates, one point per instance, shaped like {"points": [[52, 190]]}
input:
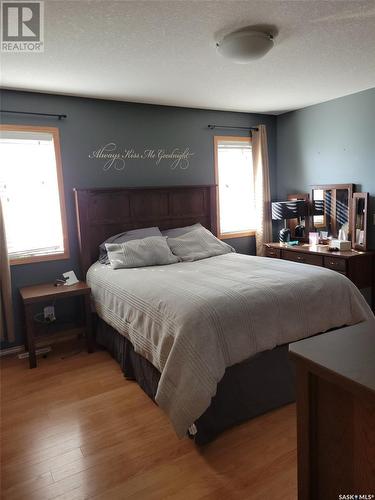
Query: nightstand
{"points": [[40, 293]]}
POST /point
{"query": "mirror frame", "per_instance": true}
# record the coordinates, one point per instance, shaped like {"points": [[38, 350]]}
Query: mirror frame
{"points": [[359, 196], [334, 187]]}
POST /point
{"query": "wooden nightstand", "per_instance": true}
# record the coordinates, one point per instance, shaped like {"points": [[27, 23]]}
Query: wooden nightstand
{"points": [[40, 293]]}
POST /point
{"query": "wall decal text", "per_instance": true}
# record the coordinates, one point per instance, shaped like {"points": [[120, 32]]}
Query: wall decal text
{"points": [[115, 159]]}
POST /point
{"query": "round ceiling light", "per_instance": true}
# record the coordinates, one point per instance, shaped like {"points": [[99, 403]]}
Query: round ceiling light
{"points": [[245, 45]]}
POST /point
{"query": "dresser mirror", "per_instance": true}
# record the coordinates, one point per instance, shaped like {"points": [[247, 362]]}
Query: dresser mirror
{"points": [[359, 221], [332, 209]]}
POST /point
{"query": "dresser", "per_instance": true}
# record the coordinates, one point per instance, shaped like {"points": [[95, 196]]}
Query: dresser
{"points": [[336, 413], [358, 266]]}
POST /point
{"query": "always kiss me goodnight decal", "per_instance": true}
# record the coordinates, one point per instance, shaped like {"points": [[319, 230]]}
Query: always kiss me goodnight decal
{"points": [[113, 157]]}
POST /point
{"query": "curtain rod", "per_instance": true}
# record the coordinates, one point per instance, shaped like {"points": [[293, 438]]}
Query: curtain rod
{"points": [[212, 127], [55, 115]]}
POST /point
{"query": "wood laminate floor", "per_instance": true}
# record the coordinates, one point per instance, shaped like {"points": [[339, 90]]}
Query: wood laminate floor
{"points": [[74, 428]]}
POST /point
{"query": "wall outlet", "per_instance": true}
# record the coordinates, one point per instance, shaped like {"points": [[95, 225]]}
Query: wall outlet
{"points": [[49, 314]]}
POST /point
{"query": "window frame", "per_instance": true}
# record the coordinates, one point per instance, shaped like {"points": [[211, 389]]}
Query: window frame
{"points": [[217, 140], [54, 131]]}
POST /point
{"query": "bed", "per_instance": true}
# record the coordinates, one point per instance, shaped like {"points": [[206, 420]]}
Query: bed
{"points": [[206, 340]]}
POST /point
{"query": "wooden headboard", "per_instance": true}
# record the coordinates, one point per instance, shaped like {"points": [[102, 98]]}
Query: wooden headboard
{"points": [[101, 213]]}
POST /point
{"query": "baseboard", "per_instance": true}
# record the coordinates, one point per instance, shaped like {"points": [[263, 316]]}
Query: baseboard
{"points": [[47, 342], [12, 350]]}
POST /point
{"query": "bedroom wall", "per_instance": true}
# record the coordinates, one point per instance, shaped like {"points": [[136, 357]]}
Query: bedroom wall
{"points": [[329, 143], [93, 123]]}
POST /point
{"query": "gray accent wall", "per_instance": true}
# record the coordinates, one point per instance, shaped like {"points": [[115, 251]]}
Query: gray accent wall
{"points": [[329, 143], [92, 123]]}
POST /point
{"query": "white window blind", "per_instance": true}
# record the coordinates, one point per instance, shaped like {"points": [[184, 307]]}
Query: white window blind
{"points": [[236, 186], [29, 193]]}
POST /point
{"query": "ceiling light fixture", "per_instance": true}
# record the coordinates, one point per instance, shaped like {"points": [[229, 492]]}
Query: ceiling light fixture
{"points": [[245, 45]]}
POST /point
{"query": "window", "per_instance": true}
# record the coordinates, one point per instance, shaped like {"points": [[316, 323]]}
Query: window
{"points": [[234, 177], [32, 194]]}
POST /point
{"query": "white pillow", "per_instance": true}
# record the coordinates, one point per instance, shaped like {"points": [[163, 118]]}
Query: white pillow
{"points": [[151, 251], [198, 244], [179, 231], [133, 234]]}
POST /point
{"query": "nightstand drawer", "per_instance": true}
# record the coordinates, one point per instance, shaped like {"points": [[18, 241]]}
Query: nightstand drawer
{"points": [[335, 263], [304, 258], [273, 252]]}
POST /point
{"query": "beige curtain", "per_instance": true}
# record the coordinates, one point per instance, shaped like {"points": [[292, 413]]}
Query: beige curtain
{"points": [[6, 309], [262, 189]]}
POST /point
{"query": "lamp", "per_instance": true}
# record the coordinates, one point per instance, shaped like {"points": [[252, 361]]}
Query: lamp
{"points": [[245, 45], [283, 210]]}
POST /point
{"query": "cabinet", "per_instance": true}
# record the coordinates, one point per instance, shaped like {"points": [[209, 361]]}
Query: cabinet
{"points": [[336, 413]]}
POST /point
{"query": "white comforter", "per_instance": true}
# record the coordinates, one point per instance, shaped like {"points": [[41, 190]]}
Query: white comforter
{"points": [[192, 320]]}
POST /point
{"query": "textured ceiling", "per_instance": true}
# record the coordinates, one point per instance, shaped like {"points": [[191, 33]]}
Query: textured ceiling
{"points": [[163, 52]]}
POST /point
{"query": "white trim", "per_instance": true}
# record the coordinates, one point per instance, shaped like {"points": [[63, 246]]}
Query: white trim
{"points": [[11, 350], [41, 350], [20, 350]]}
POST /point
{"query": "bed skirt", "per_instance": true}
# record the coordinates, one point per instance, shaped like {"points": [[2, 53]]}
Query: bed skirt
{"points": [[259, 384]]}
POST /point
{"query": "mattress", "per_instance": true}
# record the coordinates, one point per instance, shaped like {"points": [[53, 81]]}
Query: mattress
{"points": [[192, 320]]}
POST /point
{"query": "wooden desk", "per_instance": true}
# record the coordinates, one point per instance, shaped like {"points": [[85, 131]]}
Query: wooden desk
{"points": [[358, 266], [47, 291], [336, 413]]}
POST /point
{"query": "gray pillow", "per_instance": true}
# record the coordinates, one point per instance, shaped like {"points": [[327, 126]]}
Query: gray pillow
{"points": [[179, 231], [152, 251], [134, 234], [198, 244]]}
